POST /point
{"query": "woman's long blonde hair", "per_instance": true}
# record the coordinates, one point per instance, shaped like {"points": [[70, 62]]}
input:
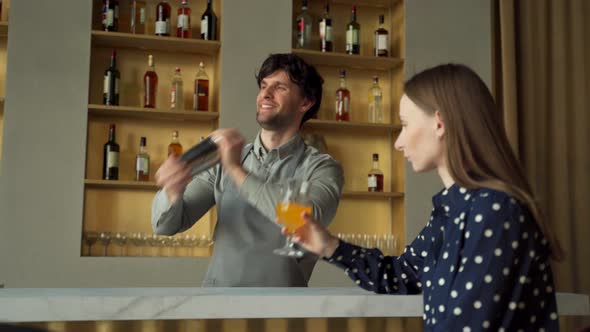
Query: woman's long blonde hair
{"points": [[477, 148]]}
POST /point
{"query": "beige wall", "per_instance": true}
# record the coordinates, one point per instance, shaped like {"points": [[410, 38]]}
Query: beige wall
{"points": [[441, 32], [41, 184]]}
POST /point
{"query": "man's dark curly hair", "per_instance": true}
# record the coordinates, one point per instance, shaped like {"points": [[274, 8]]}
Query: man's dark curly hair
{"points": [[304, 75]]}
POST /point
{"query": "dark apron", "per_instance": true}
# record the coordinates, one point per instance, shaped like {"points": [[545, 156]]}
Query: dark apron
{"points": [[245, 240]]}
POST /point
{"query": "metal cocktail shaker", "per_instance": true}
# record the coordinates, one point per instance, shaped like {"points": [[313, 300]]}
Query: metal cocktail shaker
{"points": [[202, 156]]}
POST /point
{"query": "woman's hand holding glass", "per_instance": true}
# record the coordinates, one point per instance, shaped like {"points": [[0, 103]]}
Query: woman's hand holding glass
{"points": [[313, 237]]}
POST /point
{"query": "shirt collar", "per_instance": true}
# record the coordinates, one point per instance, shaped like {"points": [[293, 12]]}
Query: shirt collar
{"points": [[283, 151]]}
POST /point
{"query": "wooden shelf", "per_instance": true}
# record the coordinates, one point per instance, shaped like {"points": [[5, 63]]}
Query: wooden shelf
{"points": [[141, 185], [340, 60], [332, 124], [119, 184], [3, 28], [150, 113], [154, 43], [365, 3], [371, 195]]}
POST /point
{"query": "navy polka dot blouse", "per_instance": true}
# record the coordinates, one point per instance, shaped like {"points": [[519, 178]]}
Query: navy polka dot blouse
{"points": [[481, 264]]}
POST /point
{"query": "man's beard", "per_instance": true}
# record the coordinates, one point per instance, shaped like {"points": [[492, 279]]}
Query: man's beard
{"points": [[276, 122]]}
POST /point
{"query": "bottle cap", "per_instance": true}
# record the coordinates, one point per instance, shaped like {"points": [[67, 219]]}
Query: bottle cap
{"points": [[375, 157], [142, 141], [381, 19]]}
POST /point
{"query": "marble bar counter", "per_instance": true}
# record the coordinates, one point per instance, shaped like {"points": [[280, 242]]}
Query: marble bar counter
{"points": [[95, 304]]}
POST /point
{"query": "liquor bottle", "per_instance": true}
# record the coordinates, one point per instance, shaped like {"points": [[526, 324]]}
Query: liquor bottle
{"points": [[342, 99], [142, 162], [375, 102], [381, 47], [183, 27], [110, 161], [326, 44], [163, 19], [353, 34], [176, 95], [110, 15], [138, 14], [150, 84], [375, 175], [110, 94], [201, 94], [303, 27], [175, 147], [209, 23]]}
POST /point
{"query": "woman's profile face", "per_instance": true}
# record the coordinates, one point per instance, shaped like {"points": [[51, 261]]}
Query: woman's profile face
{"points": [[420, 139]]}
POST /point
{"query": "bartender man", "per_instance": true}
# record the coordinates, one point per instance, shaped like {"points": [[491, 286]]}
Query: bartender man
{"points": [[246, 185]]}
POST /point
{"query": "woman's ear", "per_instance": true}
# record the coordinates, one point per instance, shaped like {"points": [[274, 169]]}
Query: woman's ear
{"points": [[439, 125]]}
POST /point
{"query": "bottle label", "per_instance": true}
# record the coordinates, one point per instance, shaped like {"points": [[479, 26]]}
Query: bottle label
{"points": [[329, 33], [116, 12], [382, 42], [106, 83], [349, 39], [110, 17], [163, 27], [173, 97], [205, 28], [183, 22], [352, 38], [142, 16], [160, 27], [113, 159], [372, 181], [142, 164], [342, 105]]}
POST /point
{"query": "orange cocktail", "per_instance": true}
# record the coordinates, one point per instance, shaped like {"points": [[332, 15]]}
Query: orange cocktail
{"points": [[289, 215]]}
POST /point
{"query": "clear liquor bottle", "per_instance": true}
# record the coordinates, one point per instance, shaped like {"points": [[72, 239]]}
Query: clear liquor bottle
{"points": [[176, 91], [375, 102], [303, 27]]}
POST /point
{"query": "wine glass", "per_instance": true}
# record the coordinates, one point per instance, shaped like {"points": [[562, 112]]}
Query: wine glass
{"points": [[90, 238], [154, 241], [120, 239], [137, 240], [105, 238], [294, 201]]}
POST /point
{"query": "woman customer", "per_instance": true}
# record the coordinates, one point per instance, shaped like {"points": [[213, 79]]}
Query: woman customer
{"points": [[482, 261]]}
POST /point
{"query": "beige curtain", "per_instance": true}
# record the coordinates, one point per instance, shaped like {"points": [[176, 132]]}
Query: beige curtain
{"points": [[542, 81]]}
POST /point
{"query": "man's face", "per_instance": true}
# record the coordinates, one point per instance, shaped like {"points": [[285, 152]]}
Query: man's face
{"points": [[280, 102]]}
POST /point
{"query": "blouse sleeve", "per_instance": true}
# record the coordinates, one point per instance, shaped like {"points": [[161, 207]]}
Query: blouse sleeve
{"points": [[373, 271]]}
